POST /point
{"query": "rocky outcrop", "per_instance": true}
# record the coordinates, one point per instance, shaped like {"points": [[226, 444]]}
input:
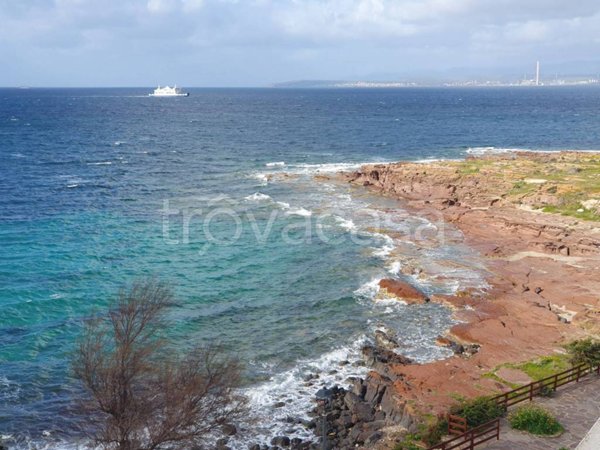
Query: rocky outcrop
{"points": [[358, 416], [401, 290], [542, 268]]}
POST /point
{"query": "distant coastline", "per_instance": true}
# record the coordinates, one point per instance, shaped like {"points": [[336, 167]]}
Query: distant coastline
{"points": [[366, 84]]}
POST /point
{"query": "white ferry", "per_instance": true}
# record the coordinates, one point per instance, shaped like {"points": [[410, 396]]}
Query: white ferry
{"points": [[168, 92]]}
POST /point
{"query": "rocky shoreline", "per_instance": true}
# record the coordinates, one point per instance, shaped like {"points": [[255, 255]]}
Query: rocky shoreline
{"points": [[542, 276], [542, 265]]}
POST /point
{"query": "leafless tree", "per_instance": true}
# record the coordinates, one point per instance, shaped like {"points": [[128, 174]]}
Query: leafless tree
{"points": [[147, 398]]}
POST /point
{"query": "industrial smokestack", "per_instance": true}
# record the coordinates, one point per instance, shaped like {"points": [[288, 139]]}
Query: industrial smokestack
{"points": [[537, 73]]}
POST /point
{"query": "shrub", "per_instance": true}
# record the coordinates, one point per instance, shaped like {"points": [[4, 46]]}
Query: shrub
{"points": [[584, 351], [478, 411], [407, 445], [535, 420], [435, 432], [546, 390], [141, 396]]}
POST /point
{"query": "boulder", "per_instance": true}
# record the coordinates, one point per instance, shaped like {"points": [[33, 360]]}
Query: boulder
{"points": [[374, 437], [351, 400], [362, 412], [281, 441], [384, 340], [228, 429], [402, 290], [375, 355]]}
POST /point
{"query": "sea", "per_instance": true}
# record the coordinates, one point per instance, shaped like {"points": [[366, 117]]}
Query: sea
{"points": [[231, 197]]}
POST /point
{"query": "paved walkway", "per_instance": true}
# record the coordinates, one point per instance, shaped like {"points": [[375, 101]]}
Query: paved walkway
{"points": [[576, 406]]}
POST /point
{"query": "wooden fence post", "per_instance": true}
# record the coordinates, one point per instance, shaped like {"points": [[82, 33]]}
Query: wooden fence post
{"points": [[555, 382], [531, 392], [578, 373], [497, 429]]}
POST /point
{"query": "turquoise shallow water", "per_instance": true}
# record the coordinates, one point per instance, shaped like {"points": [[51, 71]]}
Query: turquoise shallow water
{"points": [[86, 175]]}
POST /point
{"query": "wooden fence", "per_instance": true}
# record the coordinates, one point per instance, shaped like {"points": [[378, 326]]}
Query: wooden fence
{"points": [[456, 425], [472, 438], [476, 436], [547, 384]]}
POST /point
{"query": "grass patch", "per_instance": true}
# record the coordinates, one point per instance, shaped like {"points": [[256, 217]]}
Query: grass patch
{"points": [[573, 210], [493, 376], [537, 369], [545, 366], [409, 443], [534, 420], [522, 188]]}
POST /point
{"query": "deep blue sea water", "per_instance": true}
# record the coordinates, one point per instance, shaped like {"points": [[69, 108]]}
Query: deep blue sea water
{"points": [[215, 194]]}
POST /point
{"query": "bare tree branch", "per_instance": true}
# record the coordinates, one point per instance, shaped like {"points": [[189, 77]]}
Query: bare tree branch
{"points": [[147, 400]]}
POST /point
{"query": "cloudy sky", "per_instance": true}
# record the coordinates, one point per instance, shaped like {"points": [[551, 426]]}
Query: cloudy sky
{"points": [[258, 42]]}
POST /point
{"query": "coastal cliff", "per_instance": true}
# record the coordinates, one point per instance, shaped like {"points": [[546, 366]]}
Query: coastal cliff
{"points": [[534, 217]]}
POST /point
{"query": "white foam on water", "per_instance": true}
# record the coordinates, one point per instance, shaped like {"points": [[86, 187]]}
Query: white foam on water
{"points": [[261, 177], [368, 290], [72, 185], [292, 394], [322, 168], [257, 197], [391, 303], [9, 390], [386, 249], [100, 163], [275, 164], [480, 151], [299, 212], [346, 224], [394, 267], [283, 205]]}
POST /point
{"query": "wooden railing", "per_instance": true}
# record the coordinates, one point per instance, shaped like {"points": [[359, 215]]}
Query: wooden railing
{"points": [[483, 433], [550, 383], [472, 438], [456, 425]]}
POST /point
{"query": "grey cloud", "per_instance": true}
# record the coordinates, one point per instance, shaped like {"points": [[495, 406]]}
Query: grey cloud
{"points": [[260, 39]]}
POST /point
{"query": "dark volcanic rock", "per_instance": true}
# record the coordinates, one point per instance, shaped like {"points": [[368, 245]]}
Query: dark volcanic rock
{"points": [[228, 429], [375, 355], [384, 340], [282, 441]]}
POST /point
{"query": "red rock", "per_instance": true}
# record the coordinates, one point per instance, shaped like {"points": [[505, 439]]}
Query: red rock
{"points": [[403, 291], [522, 248]]}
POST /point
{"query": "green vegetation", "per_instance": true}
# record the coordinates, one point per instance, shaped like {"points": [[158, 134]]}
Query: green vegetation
{"points": [[584, 351], [537, 369], [478, 411], [568, 182], [572, 209], [435, 432], [472, 166], [534, 420], [430, 433], [495, 377], [544, 367], [522, 188], [409, 443]]}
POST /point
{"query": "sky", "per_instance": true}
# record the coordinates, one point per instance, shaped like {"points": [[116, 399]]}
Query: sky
{"points": [[260, 42]]}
